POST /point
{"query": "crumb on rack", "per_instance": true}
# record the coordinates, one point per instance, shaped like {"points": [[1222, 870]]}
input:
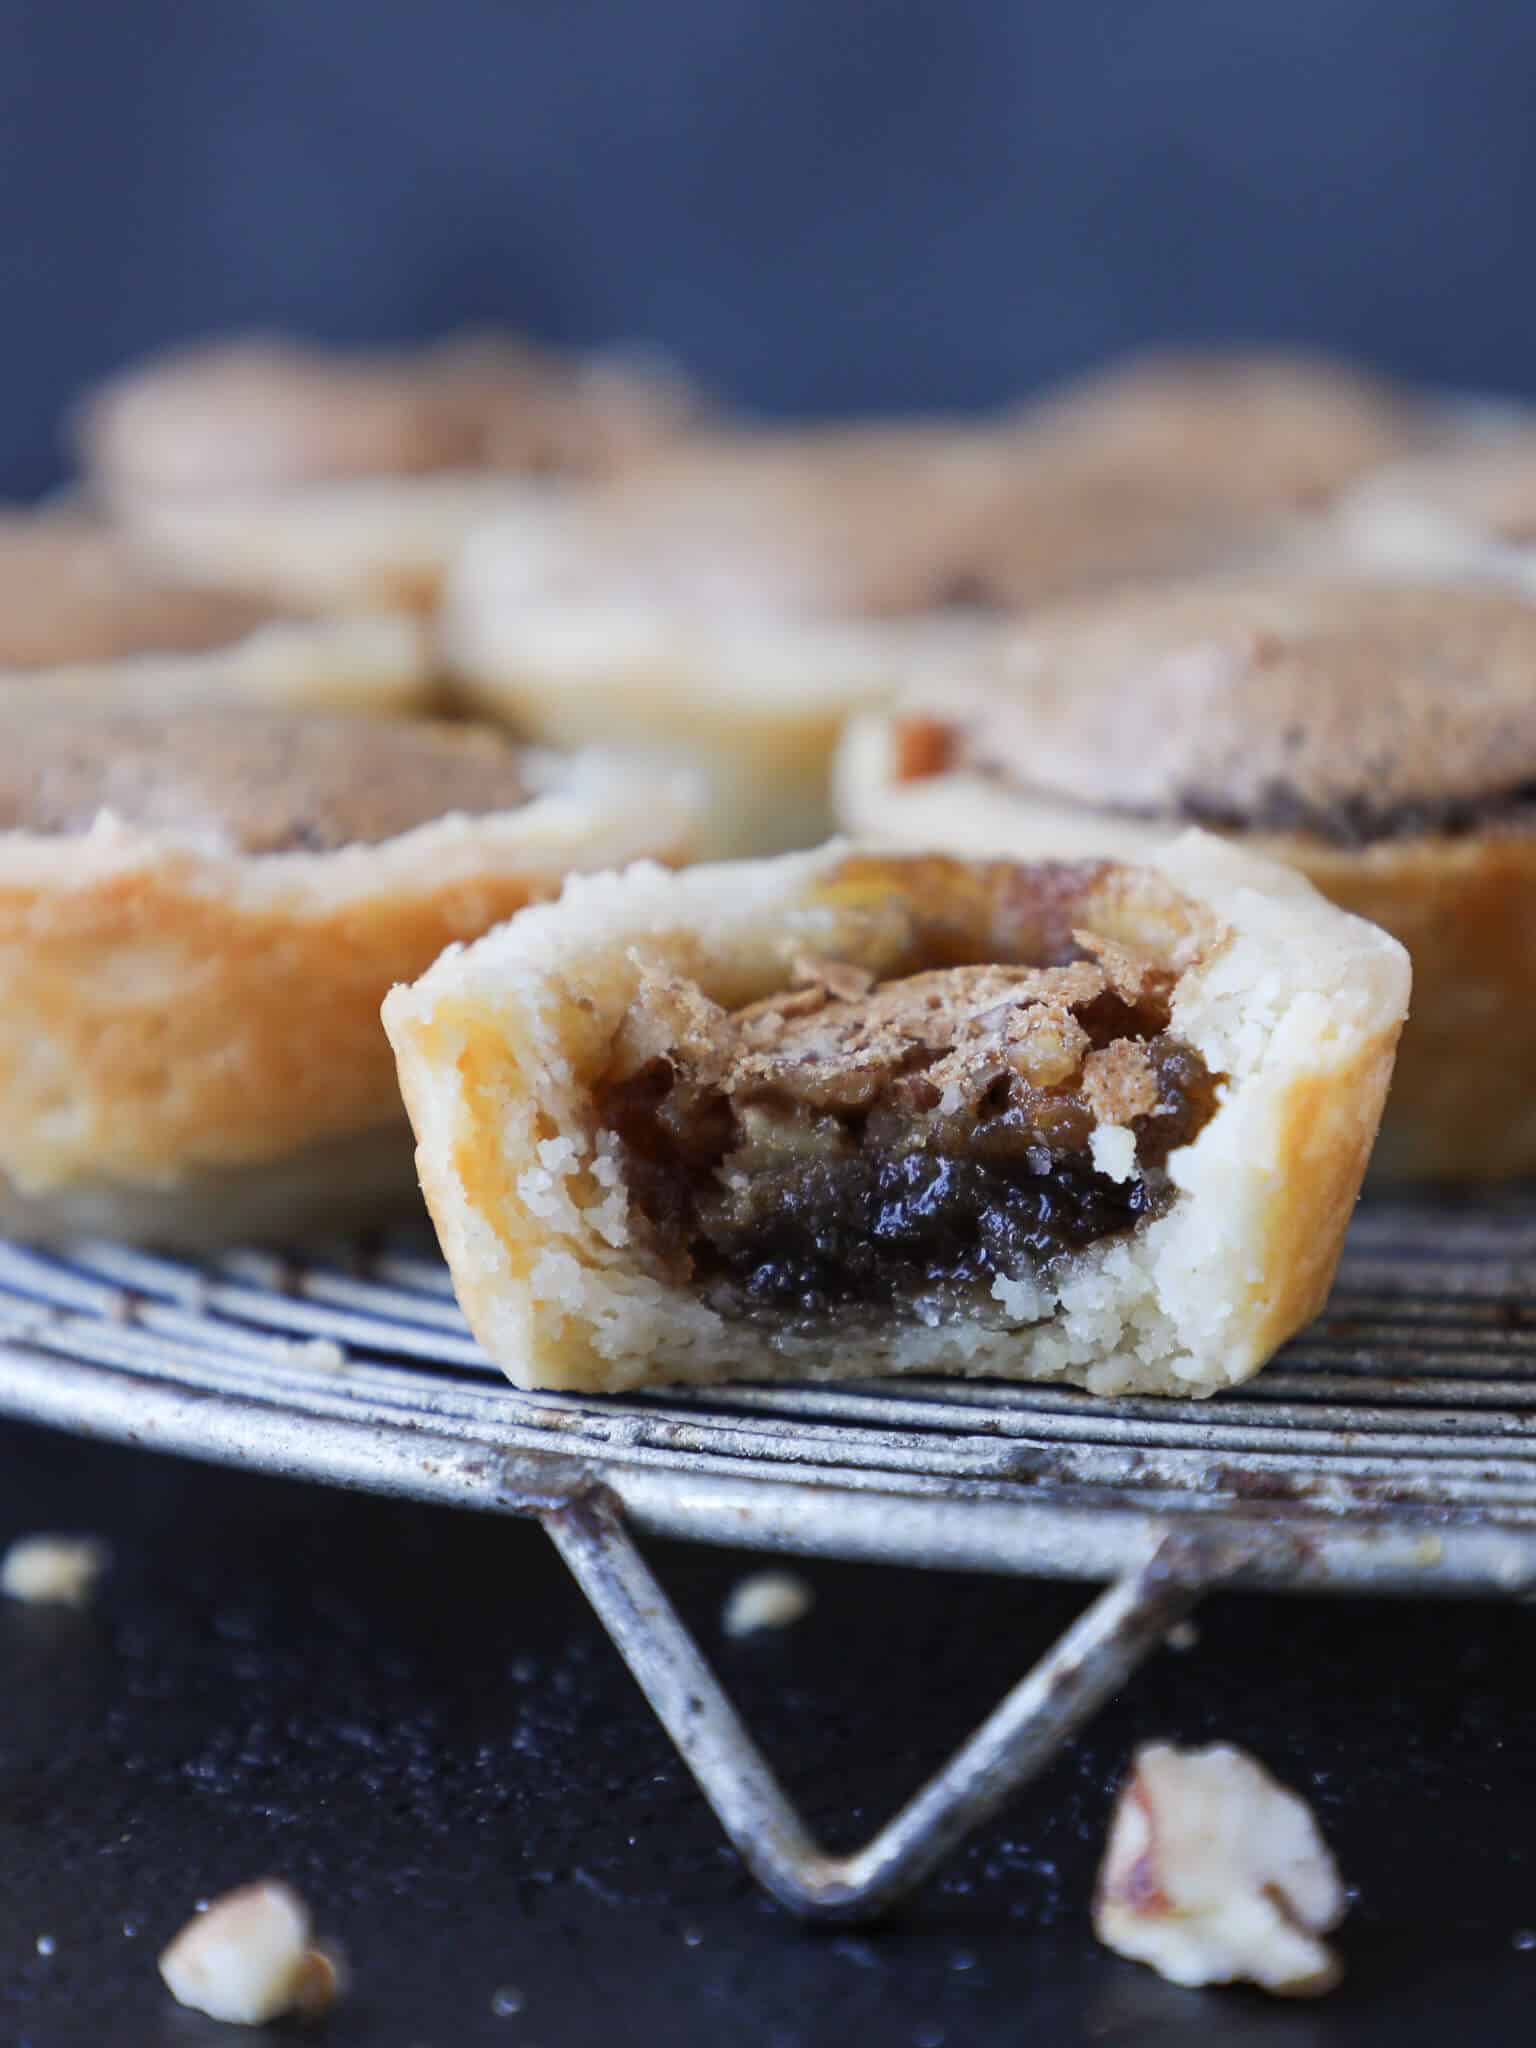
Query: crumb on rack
{"points": [[765, 1600], [1216, 1874], [61, 1570], [251, 1957], [324, 1353]]}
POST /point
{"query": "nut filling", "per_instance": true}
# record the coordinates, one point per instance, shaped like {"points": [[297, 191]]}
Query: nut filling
{"points": [[924, 1141]]}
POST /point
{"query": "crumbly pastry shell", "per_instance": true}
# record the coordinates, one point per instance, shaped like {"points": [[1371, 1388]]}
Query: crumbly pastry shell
{"points": [[336, 544], [501, 1045], [367, 661]]}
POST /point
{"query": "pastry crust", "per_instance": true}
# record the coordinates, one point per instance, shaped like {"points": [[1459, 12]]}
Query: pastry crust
{"points": [[1463, 1103], [84, 611], [338, 544], [189, 1045], [378, 663], [502, 1045]]}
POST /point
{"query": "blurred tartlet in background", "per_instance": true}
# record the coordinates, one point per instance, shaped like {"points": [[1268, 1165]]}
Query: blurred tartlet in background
{"points": [[1467, 509], [733, 603], [83, 610], [332, 477], [202, 907], [1378, 735], [1257, 428], [741, 595]]}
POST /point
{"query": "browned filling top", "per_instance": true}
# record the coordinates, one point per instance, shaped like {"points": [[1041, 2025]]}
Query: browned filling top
{"points": [[850, 1142], [255, 779], [926, 746], [889, 522], [1336, 705]]}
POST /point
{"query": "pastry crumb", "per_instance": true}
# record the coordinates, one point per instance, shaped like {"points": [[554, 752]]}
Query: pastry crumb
{"points": [[53, 1570], [1216, 1874], [1120, 1082], [1182, 1636], [324, 1353], [249, 1957], [843, 979], [766, 1600]]}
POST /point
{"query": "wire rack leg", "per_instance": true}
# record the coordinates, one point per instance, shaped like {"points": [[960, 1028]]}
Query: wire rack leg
{"points": [[1089, 1663]]}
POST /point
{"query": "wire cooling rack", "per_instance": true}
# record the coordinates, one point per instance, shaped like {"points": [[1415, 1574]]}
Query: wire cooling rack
{"points": [[1391, 1448]]}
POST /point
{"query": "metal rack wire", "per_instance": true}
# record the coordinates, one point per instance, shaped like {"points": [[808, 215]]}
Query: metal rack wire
{"points": [[1391, 1448]]}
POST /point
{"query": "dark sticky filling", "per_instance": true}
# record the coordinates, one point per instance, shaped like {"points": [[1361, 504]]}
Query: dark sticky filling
{"points": [[1357, 819], [926, 747], [895, 1147]]}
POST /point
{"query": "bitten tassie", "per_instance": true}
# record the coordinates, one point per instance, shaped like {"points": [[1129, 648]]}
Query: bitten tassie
{"points": [[1099, 1119], [1379, 736], [201, 909], [336, 477]]}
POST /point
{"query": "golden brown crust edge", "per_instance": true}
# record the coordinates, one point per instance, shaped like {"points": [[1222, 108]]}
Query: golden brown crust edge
{"points": [[1327, 1132], [179, 1031], [1463, 1101]]}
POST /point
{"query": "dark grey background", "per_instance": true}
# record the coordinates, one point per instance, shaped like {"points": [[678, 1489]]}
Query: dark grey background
{"points": [[822, 204]]}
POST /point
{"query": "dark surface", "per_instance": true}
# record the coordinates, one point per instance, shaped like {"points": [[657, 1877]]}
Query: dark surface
{"points": [[412, 1715], [823, 203]]}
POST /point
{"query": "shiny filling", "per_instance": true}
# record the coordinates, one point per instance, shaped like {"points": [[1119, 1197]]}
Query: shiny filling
{"points": [[923, 1142]]}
